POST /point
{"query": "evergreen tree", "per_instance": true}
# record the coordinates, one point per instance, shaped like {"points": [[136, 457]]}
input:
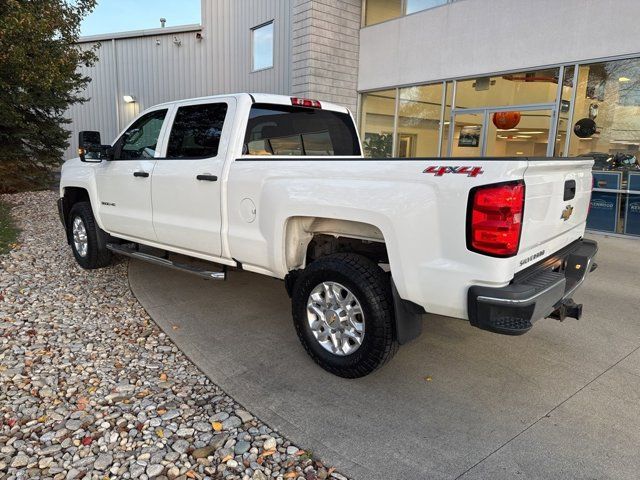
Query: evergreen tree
{"points": [[39, 78]]}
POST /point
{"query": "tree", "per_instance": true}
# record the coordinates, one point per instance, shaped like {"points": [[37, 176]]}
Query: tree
{"points": [[39, 79], [378, 145]]}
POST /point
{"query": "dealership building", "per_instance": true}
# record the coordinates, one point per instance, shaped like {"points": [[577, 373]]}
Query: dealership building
{"points": [[424, 78]]}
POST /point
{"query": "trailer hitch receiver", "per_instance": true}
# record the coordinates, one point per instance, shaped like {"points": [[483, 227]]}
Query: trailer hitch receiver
{"points": [[567, 308]]}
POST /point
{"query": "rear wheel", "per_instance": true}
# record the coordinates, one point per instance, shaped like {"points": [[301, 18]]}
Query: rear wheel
{"points": [[343, 314], [89, 251]]}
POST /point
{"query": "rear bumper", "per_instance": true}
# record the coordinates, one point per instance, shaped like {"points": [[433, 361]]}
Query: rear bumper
{"points": [[540, 291]]}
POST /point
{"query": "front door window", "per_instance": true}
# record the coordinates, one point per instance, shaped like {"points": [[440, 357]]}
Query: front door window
{"points": [[139, 141]]}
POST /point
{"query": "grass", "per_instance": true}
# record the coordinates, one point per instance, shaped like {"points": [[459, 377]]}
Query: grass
{"points": [[8, 230]]}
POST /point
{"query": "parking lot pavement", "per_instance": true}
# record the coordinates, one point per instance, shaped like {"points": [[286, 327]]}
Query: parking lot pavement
{"points": [[562, 401]]}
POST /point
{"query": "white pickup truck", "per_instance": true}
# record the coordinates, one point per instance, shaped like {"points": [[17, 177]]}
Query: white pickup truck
{"points": [[278, 186]]}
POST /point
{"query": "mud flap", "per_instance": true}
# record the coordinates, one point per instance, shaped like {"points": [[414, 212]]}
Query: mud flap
{"points": [[408, 317]]}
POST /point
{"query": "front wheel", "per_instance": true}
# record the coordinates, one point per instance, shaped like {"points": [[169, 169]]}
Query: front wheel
{"points": [[84, 233], [343, 314]]}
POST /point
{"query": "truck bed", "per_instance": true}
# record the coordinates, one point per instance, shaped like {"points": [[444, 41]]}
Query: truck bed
{"points": [[420, 207]]}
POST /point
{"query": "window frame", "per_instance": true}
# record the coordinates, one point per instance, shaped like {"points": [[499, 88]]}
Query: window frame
{"points": [[174, 115], [253, 46]]}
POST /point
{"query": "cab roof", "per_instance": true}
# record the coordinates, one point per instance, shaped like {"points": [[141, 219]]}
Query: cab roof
{"points": [[257, 98]]}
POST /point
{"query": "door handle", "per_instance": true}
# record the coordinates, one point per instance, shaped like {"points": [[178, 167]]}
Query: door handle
{"points": [[141, 174], [207, 178]]}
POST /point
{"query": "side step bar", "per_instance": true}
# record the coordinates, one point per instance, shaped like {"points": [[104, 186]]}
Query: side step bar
{"points": [[133, 253]]}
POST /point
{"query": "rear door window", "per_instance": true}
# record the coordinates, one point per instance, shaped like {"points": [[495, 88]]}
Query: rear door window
{"points": [[196, 131], [290, 130]]}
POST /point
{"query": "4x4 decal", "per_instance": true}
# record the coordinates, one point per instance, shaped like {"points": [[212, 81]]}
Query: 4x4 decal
{"points": [[468, 171]]}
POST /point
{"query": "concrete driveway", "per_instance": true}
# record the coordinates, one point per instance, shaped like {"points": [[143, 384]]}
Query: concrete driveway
{"points": [[562, 401]]}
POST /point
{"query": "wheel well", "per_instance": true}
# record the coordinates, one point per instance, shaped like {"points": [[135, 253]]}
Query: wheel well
{"points": [[322, 245], [309, 238], [73, 195]]}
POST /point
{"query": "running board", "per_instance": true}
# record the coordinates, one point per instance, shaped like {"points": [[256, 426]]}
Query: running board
{"points": [[145, 257]]}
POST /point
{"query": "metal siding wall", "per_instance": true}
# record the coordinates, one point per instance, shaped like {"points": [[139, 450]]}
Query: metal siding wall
{"points": [[99, 112], [230, 23], [219, 63]]}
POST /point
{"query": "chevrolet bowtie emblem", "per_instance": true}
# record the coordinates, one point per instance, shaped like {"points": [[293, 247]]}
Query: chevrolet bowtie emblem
{"points": [[566, 213]]}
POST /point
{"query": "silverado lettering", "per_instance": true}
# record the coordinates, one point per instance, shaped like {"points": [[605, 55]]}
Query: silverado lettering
{"points": [[531, 258]]}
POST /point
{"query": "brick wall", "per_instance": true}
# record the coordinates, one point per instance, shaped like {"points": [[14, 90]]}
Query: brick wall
{"points": [[325, 48]]}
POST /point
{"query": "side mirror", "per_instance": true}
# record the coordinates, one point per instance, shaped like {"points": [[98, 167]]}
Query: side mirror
{"points": [[90, 147]]}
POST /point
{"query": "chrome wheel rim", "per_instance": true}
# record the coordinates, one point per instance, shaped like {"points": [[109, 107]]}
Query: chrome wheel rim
{"points": [[80, 241], [335, 318]]}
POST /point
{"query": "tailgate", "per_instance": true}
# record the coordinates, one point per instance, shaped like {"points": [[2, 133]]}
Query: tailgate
{"points": [[557, 197]]}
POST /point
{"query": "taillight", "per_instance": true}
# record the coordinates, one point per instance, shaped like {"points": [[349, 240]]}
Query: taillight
{"points": [[495, 219], [305, 102]]}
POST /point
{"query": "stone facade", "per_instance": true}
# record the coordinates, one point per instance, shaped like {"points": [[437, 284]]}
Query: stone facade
{"points": [[325, 46]]}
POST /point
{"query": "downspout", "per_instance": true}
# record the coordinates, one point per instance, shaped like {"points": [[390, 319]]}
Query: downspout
{"points": [[116, 84]]}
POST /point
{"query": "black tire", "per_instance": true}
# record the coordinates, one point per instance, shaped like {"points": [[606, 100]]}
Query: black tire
{"points": [[372, 288], [97, 255]]}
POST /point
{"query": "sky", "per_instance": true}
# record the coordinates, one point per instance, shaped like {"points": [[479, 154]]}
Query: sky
{"points": [[112, 16]]}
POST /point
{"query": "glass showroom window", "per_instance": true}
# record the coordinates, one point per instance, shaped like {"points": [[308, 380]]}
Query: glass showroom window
{"points": [[377, 11], [524, 88], [419, 121], [606, 127], [378, 122], [505, 115], [381, 10], [413, 6], [609, 94], [262, 46]]}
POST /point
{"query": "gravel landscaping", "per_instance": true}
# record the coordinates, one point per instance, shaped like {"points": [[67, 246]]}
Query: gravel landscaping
{"points": [[92, 388]]}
